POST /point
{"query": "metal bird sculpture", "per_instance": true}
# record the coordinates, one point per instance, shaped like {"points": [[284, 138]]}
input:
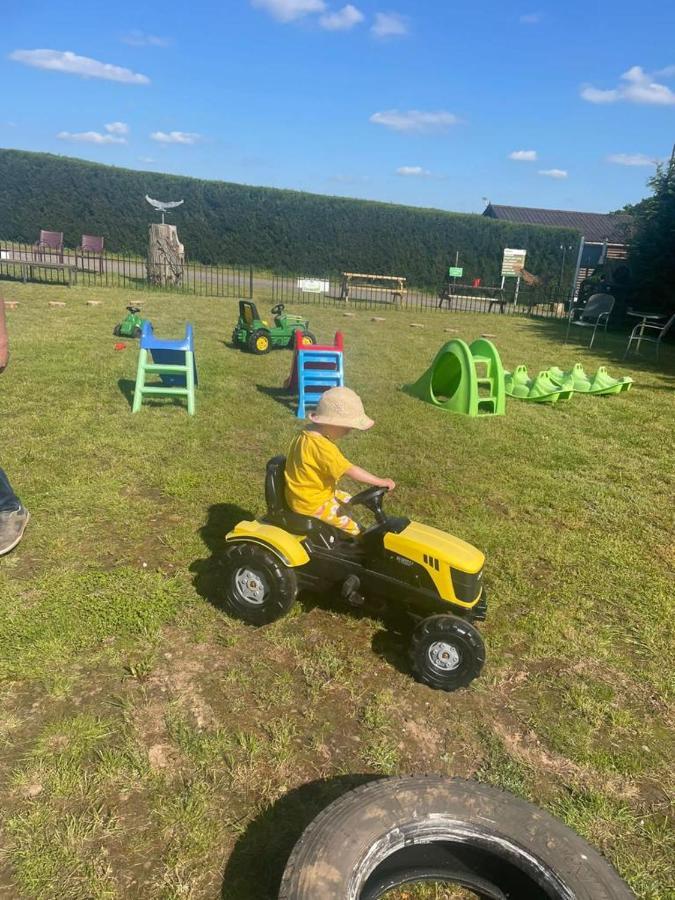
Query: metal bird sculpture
{"points": [[163, 205]]}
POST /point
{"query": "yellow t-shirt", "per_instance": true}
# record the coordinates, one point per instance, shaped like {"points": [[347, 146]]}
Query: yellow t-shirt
{"points": [[314, 465]]}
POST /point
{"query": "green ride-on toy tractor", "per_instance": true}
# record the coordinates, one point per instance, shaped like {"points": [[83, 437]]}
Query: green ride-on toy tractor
{"points": [[132, 324], [257, 335], [434, 578]]}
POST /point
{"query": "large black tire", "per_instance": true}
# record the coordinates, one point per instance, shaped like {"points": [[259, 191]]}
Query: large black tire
{"points": [[428, 828], [446, 652], [116, 331], [259, 588], [260, 342]]}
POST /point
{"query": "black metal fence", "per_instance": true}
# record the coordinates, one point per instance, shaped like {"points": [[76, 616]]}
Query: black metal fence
{"points": [[27, 262], [524, 299]]}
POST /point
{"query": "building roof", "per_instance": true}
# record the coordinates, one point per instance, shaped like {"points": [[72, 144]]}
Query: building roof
{"points": [[615, 228]]}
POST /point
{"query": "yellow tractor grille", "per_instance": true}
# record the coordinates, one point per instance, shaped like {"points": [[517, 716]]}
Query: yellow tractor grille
{"points": [[432, 561], [466, 586]]}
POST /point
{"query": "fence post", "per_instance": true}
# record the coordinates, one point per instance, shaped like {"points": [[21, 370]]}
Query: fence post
{"points": [[250, 282]]}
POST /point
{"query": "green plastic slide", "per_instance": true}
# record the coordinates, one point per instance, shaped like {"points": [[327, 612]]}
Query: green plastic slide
{"points": [[542, 389], [463, 378]]}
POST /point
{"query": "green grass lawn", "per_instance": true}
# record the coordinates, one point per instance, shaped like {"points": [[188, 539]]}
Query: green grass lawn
{"points": [[152, 747]]}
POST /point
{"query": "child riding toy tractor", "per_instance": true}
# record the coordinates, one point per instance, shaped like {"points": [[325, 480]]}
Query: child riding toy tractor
{"points": [[435, 578], [257, 335]]}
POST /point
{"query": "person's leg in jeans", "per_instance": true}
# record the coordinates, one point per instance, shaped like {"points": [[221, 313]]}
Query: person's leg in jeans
{"points": [[13, 516]]}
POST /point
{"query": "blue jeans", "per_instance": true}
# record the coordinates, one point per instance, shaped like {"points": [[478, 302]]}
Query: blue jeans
{"points": [[8, 499]]}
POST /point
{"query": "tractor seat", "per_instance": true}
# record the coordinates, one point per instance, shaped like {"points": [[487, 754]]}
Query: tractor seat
{"points": [[279, 514]]}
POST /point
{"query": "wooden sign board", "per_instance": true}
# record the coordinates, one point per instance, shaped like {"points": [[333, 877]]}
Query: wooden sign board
{"points": [[513, 262]]}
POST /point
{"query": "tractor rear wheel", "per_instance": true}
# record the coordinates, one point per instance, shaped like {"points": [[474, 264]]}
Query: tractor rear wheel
{"points": [[259, 588], [446, 652], [260, 342]]}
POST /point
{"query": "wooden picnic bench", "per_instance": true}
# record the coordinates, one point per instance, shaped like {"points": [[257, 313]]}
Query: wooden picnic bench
{"points": [[396, 285], [493, 295], [26, 265]]}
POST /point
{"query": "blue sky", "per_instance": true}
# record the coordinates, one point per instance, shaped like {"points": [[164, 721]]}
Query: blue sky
{"points": [[422, 103]]}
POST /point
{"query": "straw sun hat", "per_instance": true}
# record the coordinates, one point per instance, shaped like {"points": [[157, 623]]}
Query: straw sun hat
{"points": [[341, 406]]}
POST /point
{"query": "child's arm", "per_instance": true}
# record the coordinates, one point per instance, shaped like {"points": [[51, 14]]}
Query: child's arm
{"points": [[365, 477]]}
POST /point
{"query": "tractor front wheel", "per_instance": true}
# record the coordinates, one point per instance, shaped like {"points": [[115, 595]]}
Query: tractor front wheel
{"points": [[447, 652], [307, 339], [260, 342], [259, 588]]}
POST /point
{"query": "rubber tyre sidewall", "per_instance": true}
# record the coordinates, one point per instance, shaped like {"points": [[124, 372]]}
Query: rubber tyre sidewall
{"points": [[307, 334], [281, 580], [346, 842], [252, 342], [453, 630]]}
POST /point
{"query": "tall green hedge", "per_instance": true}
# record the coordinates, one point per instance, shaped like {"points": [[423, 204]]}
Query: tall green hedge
{"points": [[286, 231]]}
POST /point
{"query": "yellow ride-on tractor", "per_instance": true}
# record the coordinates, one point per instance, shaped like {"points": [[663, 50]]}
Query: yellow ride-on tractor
{"points": [[437, 579]]}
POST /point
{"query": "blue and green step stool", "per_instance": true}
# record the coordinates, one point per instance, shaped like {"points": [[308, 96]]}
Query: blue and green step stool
{"points": [[173, 361]]}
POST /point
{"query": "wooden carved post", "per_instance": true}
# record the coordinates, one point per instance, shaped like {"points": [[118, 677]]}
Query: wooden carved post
{"points": [[166, 255]]}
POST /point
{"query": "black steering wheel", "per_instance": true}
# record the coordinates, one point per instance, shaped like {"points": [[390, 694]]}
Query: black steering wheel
{"points": [[278, 309], [371, 498]]}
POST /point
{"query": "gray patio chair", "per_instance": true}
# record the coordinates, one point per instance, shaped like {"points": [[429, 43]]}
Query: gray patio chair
{"points": [[91, 247], [657, 335], [51, 242], [597, 311]]}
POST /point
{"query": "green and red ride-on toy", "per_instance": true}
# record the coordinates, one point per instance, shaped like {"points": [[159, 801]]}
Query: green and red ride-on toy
{"points": [[257, 335], [132, 325], [435, 579]]}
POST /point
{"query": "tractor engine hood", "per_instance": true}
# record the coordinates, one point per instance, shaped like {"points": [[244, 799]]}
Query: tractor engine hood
{"points": [[417, 541]]}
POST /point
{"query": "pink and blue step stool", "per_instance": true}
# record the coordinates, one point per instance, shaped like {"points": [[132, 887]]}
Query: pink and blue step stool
{"points": [[317, 370], [173, 361]]}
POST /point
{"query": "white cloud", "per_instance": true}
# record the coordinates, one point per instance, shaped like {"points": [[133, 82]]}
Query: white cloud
{"points": [[413, 171], [175, 137], [90, 137], [137, 38], [530, 19], [414, 120], [147, 159], [524, 155], [595, 95], [348, 179], [67, 61], [289, 10], [119, 128], [553, 173], [343, 19], [635, 86], [389, 24], [632, 159]]}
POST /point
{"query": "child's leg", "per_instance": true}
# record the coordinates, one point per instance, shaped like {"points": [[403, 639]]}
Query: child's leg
{"points": [[330, 512]]}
